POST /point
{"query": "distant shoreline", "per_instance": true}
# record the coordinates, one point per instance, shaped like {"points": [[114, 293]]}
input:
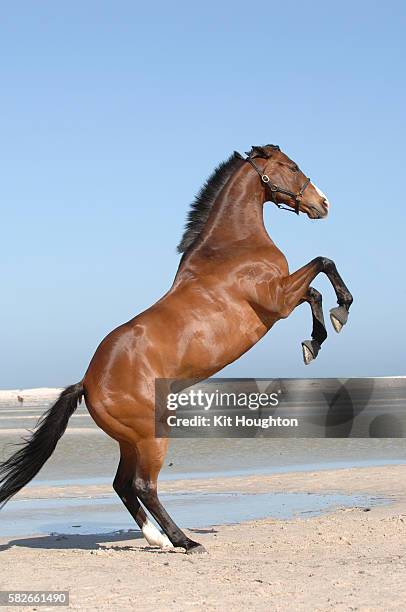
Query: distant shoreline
{"points": [[33, 397], [50, 393]]}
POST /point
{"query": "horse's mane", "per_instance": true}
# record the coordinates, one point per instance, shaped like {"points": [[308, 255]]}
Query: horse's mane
{"points": [[201, 206]]}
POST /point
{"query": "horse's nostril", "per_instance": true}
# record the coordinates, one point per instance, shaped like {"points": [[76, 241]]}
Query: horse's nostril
{"points": [[326, 203]]}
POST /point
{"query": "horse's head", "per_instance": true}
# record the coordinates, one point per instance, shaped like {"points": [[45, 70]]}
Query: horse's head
{"points": [[286, 185]]}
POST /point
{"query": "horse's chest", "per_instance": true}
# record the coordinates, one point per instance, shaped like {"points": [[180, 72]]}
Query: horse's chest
{"points": [[262, 273]]}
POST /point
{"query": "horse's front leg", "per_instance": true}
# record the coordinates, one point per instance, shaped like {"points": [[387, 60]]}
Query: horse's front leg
{"points": [[296, 287], [311, 347]]}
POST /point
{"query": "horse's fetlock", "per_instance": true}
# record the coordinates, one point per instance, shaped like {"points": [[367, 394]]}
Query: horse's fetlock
{"points": [[346, 300], [322, 335]]}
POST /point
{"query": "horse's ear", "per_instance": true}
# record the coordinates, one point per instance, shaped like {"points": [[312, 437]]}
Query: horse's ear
{"points": [[258, 152]]}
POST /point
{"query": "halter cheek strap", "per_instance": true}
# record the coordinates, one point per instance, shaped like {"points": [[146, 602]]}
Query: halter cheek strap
{"points": [[274, 189]]}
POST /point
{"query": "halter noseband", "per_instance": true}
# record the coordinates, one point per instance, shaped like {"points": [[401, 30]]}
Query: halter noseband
{"points": [[274, 189]]}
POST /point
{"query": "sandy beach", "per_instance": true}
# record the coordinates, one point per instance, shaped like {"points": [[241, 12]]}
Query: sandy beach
{"points": [[349, 559], [182, 361]]}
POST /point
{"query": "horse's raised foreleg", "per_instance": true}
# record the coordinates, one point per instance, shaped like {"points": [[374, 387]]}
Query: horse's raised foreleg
{"points": [[296, 287], [148, 467], [319, 334]]}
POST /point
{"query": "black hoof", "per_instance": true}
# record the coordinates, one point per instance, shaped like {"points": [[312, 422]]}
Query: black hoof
{"points": [[339, 317], [310, 350], [196, 549]]}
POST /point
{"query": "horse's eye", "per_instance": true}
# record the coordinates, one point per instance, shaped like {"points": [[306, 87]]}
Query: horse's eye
{"points": [[294, 168]]}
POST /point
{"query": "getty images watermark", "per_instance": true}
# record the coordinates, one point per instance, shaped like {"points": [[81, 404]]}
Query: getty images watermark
{"points": [[290, 407], [218, 400]]}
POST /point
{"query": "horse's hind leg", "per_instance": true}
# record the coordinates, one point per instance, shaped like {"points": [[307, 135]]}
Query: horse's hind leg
{"points": [[319, 333], [150, 457], [125, 488]]}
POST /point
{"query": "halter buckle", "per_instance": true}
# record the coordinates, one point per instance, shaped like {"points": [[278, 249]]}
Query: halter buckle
{"points": [[265, 178]]}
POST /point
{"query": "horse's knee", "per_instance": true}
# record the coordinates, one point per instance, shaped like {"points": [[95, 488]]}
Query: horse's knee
{"points": [[325, 264]]}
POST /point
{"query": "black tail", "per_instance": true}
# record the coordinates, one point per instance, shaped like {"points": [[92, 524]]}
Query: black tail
{"points": [[21, 467]]}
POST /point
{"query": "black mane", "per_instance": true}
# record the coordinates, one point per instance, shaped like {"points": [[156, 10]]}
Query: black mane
{"points": [[201, 207]]}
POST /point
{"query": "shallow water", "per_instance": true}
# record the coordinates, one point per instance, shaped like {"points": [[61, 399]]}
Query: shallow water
{"points": [[86, 454], [103, 515]]}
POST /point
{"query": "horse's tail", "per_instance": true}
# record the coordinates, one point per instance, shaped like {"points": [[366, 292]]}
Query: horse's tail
{"points": [[21, 467]]}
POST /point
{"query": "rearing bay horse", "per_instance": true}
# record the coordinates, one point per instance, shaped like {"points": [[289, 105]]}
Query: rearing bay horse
{"points": [[231, 286]]}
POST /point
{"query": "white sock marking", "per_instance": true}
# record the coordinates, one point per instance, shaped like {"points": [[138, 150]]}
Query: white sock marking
{"points": [[154, 537]]}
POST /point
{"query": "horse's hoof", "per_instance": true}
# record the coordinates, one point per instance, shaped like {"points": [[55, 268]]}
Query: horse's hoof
{"points": [[310, 350], [197, 549], [339, 317]]}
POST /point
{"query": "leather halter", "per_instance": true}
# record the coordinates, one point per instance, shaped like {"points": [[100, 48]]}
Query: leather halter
{"points": [[274, 189]]}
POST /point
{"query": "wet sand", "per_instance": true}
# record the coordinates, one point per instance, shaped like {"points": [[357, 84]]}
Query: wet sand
{"points": [[349, 559], [284, 527]]}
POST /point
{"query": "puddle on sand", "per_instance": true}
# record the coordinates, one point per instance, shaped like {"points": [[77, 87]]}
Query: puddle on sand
{"points": [[106, 514]]}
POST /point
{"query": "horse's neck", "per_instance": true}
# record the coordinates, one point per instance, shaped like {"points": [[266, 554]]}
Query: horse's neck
{"points": [[236, 217]]}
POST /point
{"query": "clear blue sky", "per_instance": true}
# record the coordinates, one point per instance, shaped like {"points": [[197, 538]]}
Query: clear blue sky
{"points": [[112, 114]]}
